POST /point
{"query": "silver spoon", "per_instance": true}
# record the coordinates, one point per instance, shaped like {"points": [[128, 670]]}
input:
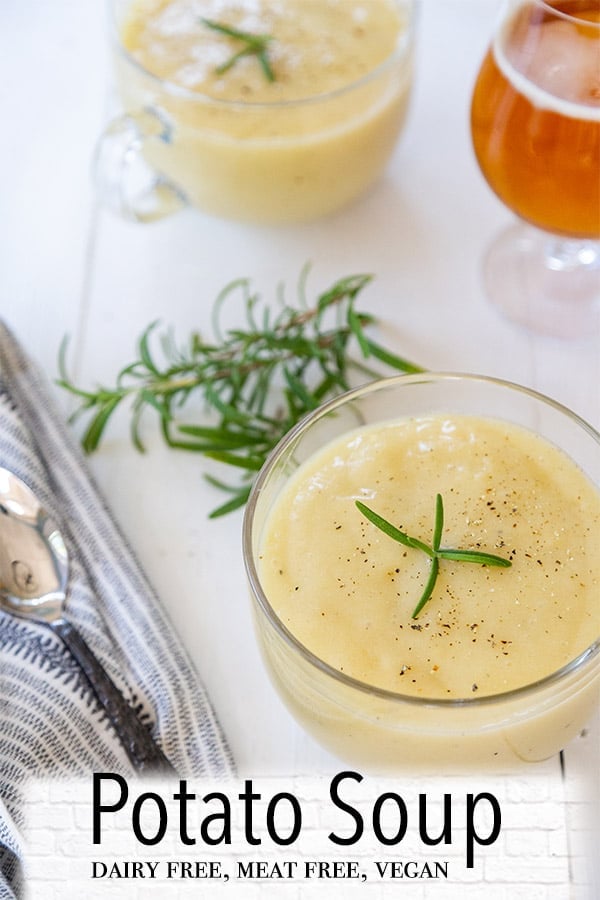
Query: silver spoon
{"points": [[34, 573]]}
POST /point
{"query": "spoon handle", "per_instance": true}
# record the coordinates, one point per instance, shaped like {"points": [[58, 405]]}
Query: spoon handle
{"points": [[137, 741]]}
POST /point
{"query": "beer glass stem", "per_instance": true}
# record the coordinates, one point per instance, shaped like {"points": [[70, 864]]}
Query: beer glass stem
{"points": [[567, 255], [546, 283]]}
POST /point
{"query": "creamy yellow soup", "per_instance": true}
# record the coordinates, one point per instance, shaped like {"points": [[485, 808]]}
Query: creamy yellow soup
{"points": [[245, 147], [347, 591], [317, 45]]}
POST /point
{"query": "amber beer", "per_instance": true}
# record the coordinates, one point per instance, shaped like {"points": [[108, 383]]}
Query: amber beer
{"points": [[535, 116]]}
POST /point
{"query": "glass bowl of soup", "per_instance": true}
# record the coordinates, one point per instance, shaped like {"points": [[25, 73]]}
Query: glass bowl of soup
{"points": [[255, 111], [501, 663]]}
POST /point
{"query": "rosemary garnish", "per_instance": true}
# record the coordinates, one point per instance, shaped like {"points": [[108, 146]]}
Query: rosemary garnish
{"points": [[254, 45], [435, 551], [257, 381]]}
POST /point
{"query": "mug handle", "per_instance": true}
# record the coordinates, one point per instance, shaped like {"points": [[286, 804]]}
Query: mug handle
{"points": [[126, 182]]}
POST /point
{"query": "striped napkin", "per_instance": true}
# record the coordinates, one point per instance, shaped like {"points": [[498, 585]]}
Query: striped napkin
{"points": [[50, 722]]}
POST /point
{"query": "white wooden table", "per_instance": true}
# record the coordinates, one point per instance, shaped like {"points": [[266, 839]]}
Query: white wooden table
{"points": [[67, 266]]}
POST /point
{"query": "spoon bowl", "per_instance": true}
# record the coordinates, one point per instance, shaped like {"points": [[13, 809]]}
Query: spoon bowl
{"points": [[34, 564], [34, 576]]}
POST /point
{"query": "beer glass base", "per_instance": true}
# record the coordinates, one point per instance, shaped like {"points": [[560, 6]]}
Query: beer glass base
{"points": [[548, 284]]}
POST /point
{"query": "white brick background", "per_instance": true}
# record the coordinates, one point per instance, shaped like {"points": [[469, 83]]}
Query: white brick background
{"points": [[535, 857]]}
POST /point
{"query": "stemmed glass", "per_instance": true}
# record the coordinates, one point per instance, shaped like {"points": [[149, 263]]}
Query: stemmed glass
{"points": [[535, 124]]}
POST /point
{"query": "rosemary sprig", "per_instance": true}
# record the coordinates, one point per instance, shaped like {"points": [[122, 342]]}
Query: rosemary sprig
{"points": [[435, 551], [254, 45], [256, 381]]}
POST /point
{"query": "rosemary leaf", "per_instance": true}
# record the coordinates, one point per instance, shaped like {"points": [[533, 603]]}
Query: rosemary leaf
{"points": [[240, 498], [474, 556], [144, 349], [357, 330], [390, 359], [94, 432], [438, 525], [226, 439], [252, 463], [429, 586], [400, 536]]}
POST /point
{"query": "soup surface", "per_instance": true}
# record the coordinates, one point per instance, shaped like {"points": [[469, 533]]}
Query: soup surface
{"points": [[347, 591], [317, 46]]}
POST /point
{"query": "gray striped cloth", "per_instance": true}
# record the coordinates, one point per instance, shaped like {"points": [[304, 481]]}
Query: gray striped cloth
{"points": [[50, 723]]}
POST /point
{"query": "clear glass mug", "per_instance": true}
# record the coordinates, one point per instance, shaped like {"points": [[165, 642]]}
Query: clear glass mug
{"points": [[384, 730], [260, 162]]}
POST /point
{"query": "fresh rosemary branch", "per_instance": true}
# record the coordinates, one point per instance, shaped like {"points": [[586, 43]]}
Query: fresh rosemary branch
{"points": [[435, 551], [254, 45], [257, 381]]}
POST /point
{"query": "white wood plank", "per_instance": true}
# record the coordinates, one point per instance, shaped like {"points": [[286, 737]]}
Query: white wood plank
{"points": [[53, 86]]}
